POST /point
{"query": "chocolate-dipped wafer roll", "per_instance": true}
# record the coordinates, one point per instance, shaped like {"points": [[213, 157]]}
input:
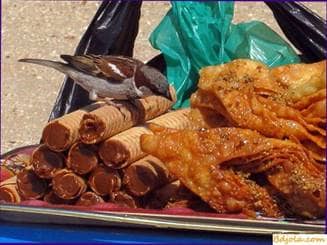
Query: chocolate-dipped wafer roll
{"points": [[170, 193], [82, 158], [52, 198], [107, 121], [67, 185], [8, 191], [103, 181], [145, 175], [29, 185], [124, 148], [160, 198], [61, 133], [46, 162], [88, 199], [125, 200]]}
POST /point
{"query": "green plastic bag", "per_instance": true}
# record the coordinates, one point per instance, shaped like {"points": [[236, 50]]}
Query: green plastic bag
{"points": [[197, 34]]}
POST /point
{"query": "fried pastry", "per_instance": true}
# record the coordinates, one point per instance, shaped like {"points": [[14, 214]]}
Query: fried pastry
{"points": [[206, 162], [300, 80], [250, 96], [194, 157]]}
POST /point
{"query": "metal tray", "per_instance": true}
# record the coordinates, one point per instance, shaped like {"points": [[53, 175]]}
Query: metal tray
{"points": [[25, 214], [47, 215]]}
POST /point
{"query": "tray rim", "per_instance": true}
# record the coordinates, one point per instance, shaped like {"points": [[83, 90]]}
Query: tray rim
{"points": [[15, 213]]}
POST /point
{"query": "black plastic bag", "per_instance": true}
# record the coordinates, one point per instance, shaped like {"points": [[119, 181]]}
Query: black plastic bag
{"points": [[112, 31], [305, 29]]}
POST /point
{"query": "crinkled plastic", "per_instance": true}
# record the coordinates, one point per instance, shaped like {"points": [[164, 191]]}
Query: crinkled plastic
{"points": [[192, 36], [112, 31], [305, 29]]}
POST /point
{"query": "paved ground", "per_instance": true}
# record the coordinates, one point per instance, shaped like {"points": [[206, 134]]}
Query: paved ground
{"points": [[46, 29]]}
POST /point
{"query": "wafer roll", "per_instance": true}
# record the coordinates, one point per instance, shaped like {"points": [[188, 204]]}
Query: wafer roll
{"points": [[145, 175], [89, 198], [125, 200], [170, 193], [120, 150], [61, 133], [103, 181], [46, 162], [9, 192], [52, 198], [29, 185], [82, 158], [124, 148], [153, 106], [67, 185], [107, 121]]}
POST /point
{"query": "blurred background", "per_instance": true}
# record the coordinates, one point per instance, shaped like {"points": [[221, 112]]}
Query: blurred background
{"points": [[46, 29]]}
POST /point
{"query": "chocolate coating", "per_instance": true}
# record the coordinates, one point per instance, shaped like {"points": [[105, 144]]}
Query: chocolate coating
{"points": [[61, 133], [56, 136], [68, 185], [82, 158], [103, 181], [89, 198], [170, 193], [144, 176], [139, 179], [52, 198], [114, 154], [29, 185], [123, 199], [91, 128], [46, 162]]}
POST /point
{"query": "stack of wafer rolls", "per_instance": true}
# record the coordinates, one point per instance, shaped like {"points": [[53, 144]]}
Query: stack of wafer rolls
{"points": [[93, 155], [109, 120], [61, 133], [124, 148]]}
